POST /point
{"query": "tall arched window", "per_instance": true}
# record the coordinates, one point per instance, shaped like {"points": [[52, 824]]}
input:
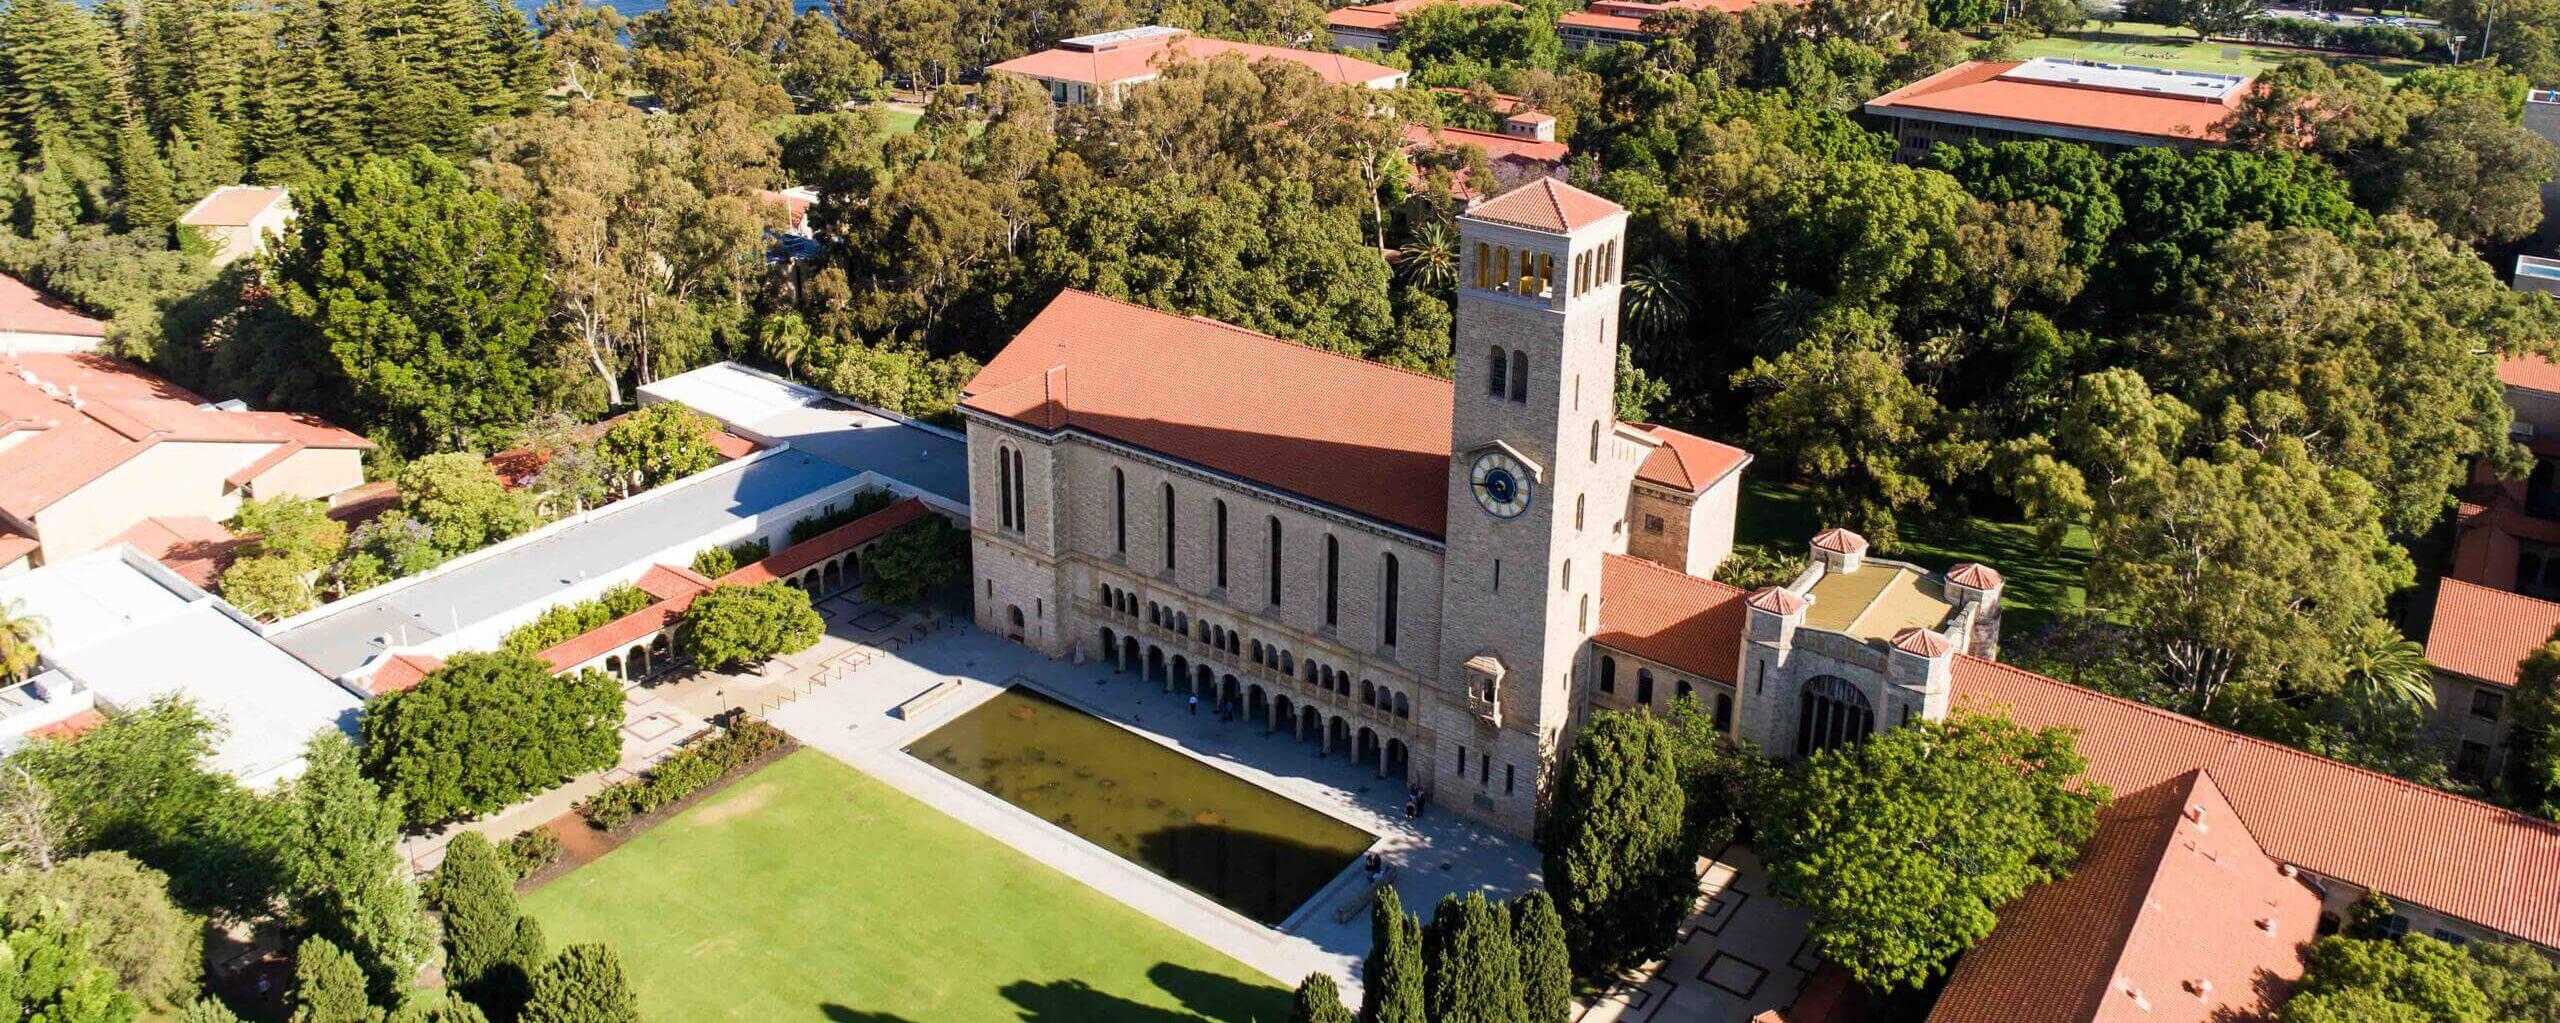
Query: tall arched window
{"points": [[1004, 487], [1519, 375], [1021, 520], [1724, 712], [1275, 561], [1608, 674], [1495, 384], [1595, 437], [1332, 580], [1222, 544], [1579, 506], [1392, 599], [1644, 686], [1170, 544], [1831, 713], [1119, 511], [1484, 266]]}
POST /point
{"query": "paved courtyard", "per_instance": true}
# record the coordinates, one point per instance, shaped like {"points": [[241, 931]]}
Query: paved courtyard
{"points": [[1741, 954]]}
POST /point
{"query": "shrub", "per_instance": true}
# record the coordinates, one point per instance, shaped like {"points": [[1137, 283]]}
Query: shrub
{"points": [[915, 560], [863, 504], [689, 771], [486, 730], [714, 562], [532, 851], [747, 624], [567, 621]]}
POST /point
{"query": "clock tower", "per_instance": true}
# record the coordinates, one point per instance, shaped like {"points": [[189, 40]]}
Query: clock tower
{"points": [[1538, 480]]}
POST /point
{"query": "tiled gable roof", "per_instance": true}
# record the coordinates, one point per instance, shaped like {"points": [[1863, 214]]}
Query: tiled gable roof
{"points": [[2484, 633], [23, 309], [2343, 822], [1686, 461], [1976, 88], [1545, 204], [1672, 617], [1145, 59]]}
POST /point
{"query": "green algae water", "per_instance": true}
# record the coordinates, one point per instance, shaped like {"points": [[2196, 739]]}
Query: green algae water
{"points": [[1249, 849]]}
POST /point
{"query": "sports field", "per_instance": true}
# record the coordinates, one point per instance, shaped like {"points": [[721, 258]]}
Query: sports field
{"points": [[810, 891], [2134, 42]]}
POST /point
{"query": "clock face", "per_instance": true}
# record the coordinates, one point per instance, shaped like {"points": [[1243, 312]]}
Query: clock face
{"points": [[1501, 484]]}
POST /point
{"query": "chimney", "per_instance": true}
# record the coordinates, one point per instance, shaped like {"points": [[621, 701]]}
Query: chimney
{"points": [[2200, 987], [2267, 923]]}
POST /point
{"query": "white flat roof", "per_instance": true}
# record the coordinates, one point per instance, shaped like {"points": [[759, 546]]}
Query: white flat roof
{"points": [[2088, 74], [134, 632], [758, 404]]}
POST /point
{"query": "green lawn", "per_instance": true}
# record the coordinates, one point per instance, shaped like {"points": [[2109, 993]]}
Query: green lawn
{"points": [[810, 891], [902, 121], [2037, 584], [2134, 42]]}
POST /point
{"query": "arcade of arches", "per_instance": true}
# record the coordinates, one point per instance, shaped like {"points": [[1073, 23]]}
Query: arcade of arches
{"points": [[1315, 703]]}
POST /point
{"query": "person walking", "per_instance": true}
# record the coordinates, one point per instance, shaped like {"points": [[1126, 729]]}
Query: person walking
{"points": [[1195, 705]]}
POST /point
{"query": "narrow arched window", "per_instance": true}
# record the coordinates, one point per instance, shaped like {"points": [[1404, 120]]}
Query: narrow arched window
{"points": [[1222, 544], [1391, 600], [1580, 503], [1520, 375], [1120, 511], [1608, 674], [1595, 426], [1021, 485], [1332, 580], [1644, 686], [1004, 487], [1170, 543], [1275, 561], [1494, 380], [1484, 266]]}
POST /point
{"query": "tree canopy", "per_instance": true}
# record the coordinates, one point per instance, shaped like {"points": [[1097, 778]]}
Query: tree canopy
{"points": [[486, 730], [1621, 876]]}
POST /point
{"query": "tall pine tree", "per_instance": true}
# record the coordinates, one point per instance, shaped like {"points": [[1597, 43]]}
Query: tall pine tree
{"points": [[1474, 971], [328, 986], [1615, 862], [1391, 984], [345, 876], [483, 930], [1546, 966]]}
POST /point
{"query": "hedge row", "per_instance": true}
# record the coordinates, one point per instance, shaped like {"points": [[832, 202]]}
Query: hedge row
{"points": [[863, 504], [569, 621], [690, 770], [2376, 40]]}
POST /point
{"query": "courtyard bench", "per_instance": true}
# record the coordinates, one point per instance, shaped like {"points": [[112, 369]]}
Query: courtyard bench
{"points": [[924, 701], [1360, 900]]}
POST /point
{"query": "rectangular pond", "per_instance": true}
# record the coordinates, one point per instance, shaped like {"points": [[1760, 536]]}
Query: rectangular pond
{"points": [[1251, 850]]}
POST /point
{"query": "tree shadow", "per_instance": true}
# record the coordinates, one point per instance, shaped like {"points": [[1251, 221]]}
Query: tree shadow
{"points": [[847, 1014], [1221, 997], [1074, 1001]]}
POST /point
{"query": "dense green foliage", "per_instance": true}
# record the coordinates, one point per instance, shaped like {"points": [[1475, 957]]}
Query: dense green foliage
{"points": [[560, 623], [122, 911], [491, 950], [2418, 978], [1391, 988], [661, 442], [47, 976], [1615, 861], [1319, 1000], [731, 625], [1546, 966], [486, 730], [329, 985], [1904, 847], [585, 984], [1474, 969], [915, 561], [348, 882], [688, 771]]}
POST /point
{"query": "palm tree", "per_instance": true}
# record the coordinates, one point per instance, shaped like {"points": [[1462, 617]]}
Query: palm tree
{"points": [[20, 632], [1656, 298], [2384, 673], [785, 339], [1430, 258]]}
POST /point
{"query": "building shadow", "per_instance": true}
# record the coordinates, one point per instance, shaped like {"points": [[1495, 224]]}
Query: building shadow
{"points": [[1221, 997], [1074, 1001], [847, 1014]]}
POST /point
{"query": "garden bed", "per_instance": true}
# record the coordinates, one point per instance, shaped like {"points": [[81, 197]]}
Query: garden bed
{"points": [[581, 842]]}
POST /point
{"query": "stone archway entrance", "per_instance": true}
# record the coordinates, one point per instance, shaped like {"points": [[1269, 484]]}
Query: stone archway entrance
{"points": [[1831, 713]]}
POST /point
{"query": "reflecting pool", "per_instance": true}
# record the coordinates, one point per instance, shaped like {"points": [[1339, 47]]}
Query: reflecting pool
{"points": [[1249, 849]]}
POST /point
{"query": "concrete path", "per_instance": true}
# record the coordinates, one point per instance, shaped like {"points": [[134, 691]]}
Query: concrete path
{"points": [[851, 719]]}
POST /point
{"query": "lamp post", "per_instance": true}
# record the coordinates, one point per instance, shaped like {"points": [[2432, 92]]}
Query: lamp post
{"points": [[2458, 40]]}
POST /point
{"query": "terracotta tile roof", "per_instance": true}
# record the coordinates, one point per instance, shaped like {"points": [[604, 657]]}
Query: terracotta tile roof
{"points": [[356, 505], [2342, 822], [232, 206], [1776, 600], [1545, 204], [1670, 616], [1503, 102], [70, 727], [198, 549], [1976, 88], [2484, 634], [1386, 16], [1916, 640], [1231, 400], [790, 561], [1517, 157], [668, 582], [25, 310], [2190, 913], [628, 630], [15, 545], [1839, 541], [1145, 59], [1976, 575], [121, 412], [1688, 462], [2530, 372], [1627, 17], [401, 672], [516, 466]]}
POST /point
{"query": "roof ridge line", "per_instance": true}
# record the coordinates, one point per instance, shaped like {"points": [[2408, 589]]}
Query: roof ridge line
{"points": [[2555, 605], [1250, 332], [1668, 570], [2236, 736]]}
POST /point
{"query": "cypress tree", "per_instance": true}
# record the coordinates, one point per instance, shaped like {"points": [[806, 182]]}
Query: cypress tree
{"points": [[329, 987], [207, 1010], [1474, 972], [149, 208], [474, 890], [1391, 983], [1615, 862], [1318, 1001], [584, 985], [1546, 968]]}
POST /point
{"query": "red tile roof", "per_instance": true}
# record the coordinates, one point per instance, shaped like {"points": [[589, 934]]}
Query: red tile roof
{"points": [[2531, 372], [1839, 541], [401, 672], [232, 206], [1671, 617], [2188, 912], [790, 561], [1386, 16], [2484, 634], [1545, 204], [1688, 462], [1916, 640], [1627, 17], [668, 582], [1776, 600], [1976, 575], [2342, 822], [1976, 88], [24, 310], [70, 727], [15, 545], [1503, 102], [631, 629], [1146, 58], [1231, 400], [198, 549], [1522, 157], [121, 412]]}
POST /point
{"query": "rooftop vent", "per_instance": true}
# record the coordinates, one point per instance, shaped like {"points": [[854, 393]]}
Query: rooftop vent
{"points": [[2199, 987]]}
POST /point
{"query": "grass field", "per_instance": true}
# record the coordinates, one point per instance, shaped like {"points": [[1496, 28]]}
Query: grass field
{"points": [[810, 891], [2037, 584], [2134, 42]]}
